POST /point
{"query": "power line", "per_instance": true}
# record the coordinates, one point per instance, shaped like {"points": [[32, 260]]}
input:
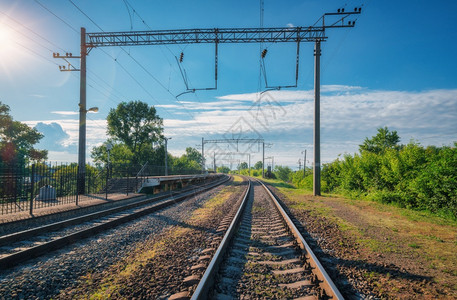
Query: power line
{"points": [[71, 27], [37, 54], [139, 64], [81, 11], [31, 30]]}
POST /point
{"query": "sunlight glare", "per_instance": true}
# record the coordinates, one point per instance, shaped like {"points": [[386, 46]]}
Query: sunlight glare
{"points": [[6, 43]]}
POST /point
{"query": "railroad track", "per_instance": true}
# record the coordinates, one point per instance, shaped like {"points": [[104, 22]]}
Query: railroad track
{"points": [[21, 246], [262, 255]]}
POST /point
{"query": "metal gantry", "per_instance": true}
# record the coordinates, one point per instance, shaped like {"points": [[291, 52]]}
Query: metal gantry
{"points": [[316, 34]]}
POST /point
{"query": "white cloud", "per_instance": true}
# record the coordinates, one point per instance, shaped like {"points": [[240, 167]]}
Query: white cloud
{"points": [[95, 135], [37, 96], [285, 118], [348, 115], [65, 112]]}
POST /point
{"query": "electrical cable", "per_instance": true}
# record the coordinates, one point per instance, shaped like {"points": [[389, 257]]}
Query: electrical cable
{"points": [[139, 64], [71, 27], [45, 47], [29, 29]]}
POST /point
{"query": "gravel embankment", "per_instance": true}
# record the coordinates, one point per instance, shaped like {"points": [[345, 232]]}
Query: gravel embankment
{"points": [[47, 276], [170, 256]]}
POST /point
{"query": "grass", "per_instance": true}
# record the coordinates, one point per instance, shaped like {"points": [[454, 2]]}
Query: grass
{"points": [[277, 183], [414, 245]]}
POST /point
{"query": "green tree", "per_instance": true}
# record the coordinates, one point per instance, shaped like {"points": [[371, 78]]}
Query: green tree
{"points": [[137, 126], [193, 154], [119, 154], [258, 165], [383, 140], [243, 165], [17, 140]]}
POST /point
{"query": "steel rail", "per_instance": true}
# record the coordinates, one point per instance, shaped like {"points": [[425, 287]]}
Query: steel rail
{"points": [[13, 237], [325, 282], [201, 292], [18, 257]]}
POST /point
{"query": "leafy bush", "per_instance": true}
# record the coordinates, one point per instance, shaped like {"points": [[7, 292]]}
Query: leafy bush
{"points": [[282, 172], [408, 175]]}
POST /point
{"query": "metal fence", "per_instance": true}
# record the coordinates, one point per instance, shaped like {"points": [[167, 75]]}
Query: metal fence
{"points": [[27, 187]]}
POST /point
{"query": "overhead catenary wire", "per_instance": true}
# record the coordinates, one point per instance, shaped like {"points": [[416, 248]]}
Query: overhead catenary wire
{"points": [[77, 32], [140, 65], [163, 86], [62, 20], [31, 30], [34, 52]]}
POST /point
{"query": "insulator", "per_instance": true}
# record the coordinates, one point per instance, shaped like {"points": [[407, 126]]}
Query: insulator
{"points": [[58, 54], [71, 54], [342, 10], [349, 23], [66, 54], [360, 9], [264, 53], [181, 57], [355, 9], [339, 10], [353, 23]]}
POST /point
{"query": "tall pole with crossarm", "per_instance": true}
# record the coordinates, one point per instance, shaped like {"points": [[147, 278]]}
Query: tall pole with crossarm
{"points": [[82, 117], [317, 120]]}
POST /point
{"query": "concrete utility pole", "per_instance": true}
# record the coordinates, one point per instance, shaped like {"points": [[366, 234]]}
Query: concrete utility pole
{"points": [[249, 167], [214, 161], [166, 155], [82, 117], [304, 164], [317, 120], [203, 155], [263, 160]]}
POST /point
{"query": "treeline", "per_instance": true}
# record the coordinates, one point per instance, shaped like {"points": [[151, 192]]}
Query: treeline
{"points": [[411, 176], [135, 138]]}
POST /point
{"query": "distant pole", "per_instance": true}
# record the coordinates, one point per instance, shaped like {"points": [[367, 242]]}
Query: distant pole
{"points": [[249, 164], [82, 117], [304, 165], [203, 155], [214, 161], [166, 155], [263, 159], [317, 137]]}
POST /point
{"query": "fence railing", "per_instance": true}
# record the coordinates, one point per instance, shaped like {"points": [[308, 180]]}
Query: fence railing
{"points": [[24, 188]]}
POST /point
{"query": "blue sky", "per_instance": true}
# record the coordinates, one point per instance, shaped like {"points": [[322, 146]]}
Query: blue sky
{"points": [[396, 68]]}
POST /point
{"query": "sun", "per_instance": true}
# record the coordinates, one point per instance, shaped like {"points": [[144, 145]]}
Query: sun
{"points": [[6, 41], [8, 46], [5, 34]]}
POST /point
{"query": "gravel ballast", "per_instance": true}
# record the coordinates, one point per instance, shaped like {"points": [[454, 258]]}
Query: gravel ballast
{"points": [[47, 276]]}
